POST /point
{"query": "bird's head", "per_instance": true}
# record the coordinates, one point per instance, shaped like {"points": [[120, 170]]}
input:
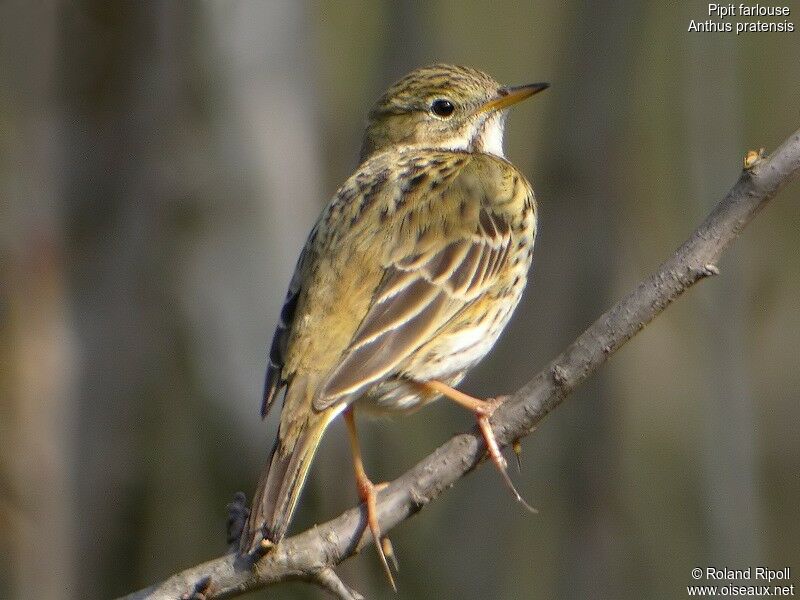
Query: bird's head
{"points": [[443, 106]]}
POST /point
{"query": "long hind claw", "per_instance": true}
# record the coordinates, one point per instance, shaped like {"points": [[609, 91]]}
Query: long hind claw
{"points": [[483, 410], [493, 449], [369, 494]]}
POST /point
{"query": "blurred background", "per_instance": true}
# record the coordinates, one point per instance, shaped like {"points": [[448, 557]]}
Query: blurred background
{"points": [[160, 166]]}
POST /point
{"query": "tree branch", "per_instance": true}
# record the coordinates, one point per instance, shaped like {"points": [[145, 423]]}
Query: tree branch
{"points": [[312, 554]]}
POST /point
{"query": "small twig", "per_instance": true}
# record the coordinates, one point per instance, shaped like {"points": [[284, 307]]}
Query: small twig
{"points": [[328, 580], [311, 554]]}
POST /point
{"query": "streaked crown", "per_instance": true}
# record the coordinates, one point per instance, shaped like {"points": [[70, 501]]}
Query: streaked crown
{"points": [[443, 106]]}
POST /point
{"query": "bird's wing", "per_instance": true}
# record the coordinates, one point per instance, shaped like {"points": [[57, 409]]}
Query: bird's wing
{"points": [[407, 242], [448, 238], [274, 380]]}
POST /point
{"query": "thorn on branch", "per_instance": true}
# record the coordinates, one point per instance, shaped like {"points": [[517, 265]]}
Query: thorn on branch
{"points": [[237, 517], [263, 548], [752, 158], [388, 551], [709, 270], [328, 580], [559, 375], [516, 446], [200, 589], [417, 499]]}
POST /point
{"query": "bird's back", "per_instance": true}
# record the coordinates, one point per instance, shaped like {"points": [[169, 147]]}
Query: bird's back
{"points": [[448, 230]]}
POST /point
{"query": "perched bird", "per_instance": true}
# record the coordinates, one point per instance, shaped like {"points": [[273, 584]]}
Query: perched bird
{"points": [[406, 281]]}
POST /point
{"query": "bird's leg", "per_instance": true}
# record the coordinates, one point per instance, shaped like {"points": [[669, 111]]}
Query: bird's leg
{"points": [[483, 410], [369, 495]]}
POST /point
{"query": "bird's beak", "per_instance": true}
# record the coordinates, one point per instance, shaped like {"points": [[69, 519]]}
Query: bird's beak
{"points": [[506, 96]]}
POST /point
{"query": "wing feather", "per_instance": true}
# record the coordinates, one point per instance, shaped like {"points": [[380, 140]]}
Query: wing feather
{"points": [[418, 295], [387, 266], [274, 381], [369, 361], [395, 311]]}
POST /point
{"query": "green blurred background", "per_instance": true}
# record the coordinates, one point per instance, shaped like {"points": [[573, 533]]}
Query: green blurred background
{"points": [[160, 166]]}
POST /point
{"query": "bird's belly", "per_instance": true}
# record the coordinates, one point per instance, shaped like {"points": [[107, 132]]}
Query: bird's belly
{"points": [[398, 396], [455, 352], [446, 358]]}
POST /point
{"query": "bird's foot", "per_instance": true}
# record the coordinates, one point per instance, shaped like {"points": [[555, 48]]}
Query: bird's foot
{"points": [[483, 414], [483, 410], [368, 492]]}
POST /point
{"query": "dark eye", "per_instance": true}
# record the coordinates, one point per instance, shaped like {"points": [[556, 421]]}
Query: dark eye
{"points": [[442, 108]]}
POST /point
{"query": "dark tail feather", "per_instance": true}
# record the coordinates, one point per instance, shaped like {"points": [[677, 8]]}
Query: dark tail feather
{"points": [[280, 485]]}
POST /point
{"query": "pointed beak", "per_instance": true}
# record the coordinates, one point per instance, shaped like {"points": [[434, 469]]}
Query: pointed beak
{"points": [[506, 96]]}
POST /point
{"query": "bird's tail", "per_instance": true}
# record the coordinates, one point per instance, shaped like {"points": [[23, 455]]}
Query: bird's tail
{"points": [[282, 481]]}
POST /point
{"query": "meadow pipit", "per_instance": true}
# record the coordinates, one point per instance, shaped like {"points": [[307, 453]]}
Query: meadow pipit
{"points": [[406, 281]]}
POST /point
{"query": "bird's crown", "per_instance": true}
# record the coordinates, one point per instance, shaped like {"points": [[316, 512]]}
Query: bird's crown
{"points": [[442, 106], [463, 86]]}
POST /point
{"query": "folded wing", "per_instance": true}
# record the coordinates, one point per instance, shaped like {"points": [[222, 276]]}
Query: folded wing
{"points": [[417, 296]]}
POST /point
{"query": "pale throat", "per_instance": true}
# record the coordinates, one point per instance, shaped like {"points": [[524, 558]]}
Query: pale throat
{"points": [[487, 136]]}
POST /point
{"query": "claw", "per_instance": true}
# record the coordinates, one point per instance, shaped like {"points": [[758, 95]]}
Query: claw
{"points": [[499, 461], [483, 409], [369, 494]]}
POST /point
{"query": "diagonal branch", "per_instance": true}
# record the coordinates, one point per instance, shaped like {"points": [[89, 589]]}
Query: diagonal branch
{"points": [[311, 554]]}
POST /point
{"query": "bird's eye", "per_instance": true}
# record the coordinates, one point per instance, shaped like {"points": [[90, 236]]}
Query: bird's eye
{"points": [[442, 108]]}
